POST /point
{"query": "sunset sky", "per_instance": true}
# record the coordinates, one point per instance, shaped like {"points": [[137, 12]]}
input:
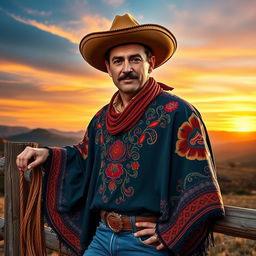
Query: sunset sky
{"points": [[44, 81]]}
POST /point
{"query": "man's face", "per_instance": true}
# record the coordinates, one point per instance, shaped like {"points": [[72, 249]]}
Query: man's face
{"points": [[129, 67]]}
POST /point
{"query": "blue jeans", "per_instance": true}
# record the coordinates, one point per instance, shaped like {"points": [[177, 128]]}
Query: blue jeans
{"points": [[108, 243]]}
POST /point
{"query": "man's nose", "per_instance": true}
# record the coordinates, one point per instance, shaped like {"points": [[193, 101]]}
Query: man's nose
{"points": [[127, 67]]}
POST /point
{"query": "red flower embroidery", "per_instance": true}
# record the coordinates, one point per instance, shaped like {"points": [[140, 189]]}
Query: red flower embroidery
{"points": [[135, 166], [171, 106], [190, 142], [117, 150], [99, 125], [112, 185], [114, 171]]}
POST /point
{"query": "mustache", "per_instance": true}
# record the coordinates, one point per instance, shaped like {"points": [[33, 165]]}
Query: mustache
{"points": [[128, 75]]}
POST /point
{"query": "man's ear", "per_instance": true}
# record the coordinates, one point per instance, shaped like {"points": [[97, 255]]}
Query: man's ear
{"points": [[108, 69], [151, 62]]}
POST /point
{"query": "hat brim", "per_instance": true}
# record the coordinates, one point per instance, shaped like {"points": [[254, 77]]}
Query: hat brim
{"points": [[161, 41]]}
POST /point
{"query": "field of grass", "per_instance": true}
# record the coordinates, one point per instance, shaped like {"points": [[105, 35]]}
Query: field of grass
{"points": [[235, 246]]}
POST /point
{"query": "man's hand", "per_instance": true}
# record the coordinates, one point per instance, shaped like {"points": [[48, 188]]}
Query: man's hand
{"points": [[149, 230], [37, 155]]}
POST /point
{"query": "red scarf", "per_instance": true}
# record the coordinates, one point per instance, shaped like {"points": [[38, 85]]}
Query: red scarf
{"points": [[119, 122]]}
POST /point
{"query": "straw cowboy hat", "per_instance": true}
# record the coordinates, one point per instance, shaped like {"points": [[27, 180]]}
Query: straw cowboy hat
{"points": [[125, 29]]}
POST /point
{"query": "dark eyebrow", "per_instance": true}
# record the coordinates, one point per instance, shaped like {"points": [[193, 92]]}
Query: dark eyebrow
{"points": [[131, 56], [116, 58], [135, 55]]}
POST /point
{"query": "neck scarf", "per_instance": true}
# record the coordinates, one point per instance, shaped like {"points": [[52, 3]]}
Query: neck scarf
{"points": [[120, 122]]}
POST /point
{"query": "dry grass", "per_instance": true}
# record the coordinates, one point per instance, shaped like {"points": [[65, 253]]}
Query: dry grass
{"points": [[235, 246], [232, 246], [246, 201]]}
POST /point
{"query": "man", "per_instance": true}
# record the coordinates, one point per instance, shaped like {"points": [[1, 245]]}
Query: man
{"points": [[144, 172]]}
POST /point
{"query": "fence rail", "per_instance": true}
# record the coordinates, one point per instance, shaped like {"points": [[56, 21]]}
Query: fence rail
{"points": [[238, 222]]}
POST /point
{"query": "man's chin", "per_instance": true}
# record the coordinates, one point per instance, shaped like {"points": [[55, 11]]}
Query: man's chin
{"points": [[130, 90]]}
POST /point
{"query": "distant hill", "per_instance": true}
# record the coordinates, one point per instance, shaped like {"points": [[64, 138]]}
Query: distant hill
{"points": [[6, 131], [223, 137], [234, 147], [79, 134], [228, 147], [239, 153], [44, 138]]}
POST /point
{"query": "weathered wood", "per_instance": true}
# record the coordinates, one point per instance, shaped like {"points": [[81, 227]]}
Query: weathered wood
{"points": [[1, 229], [27, 174], [12, 203], [238, 222], [2, 161], [52, 242]]}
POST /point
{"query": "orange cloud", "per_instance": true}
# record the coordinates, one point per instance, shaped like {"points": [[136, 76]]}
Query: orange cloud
{"points": [[69, 102], [75, 31]]}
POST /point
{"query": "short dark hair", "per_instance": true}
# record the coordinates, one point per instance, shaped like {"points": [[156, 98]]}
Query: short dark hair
{"points": [[147, 50]]}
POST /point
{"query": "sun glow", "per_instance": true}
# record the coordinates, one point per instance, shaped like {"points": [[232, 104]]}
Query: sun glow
{"points": [[244, 124]]}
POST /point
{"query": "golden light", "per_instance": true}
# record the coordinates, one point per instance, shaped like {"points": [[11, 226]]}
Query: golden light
{"points": [[244, 124]]}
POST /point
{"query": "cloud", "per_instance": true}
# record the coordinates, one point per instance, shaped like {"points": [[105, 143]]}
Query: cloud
{"points": [[113, 2], [215, 23], [37, 12], [70, 30], [37, 98], [92, 23], [27, 45], [53, 29], [42, 72]]}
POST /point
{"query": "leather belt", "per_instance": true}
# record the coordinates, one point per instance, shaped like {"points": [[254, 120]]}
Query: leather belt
{"points": [[117, 222]]}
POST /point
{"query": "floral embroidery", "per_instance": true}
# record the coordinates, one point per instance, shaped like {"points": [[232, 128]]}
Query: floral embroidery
{"points": [[135, 166], [171, 106], [117, 150], [114, 171], [190, 142], [112, 185], [120, 157]]}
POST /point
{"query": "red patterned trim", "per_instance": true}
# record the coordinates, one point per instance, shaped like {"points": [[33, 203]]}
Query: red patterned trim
{"points": [[51, 202], [189, 215]]}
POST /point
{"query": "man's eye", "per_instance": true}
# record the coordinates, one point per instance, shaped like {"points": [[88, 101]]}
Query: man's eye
{"points": [[117, 61], [136, 60]]}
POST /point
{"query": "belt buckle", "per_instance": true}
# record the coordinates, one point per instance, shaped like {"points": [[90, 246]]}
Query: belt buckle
{"points": [[118, 218]]}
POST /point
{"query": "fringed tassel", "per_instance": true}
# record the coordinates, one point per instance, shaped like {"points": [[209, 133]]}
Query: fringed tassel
{"points": [[32, 241], [59, 251]]}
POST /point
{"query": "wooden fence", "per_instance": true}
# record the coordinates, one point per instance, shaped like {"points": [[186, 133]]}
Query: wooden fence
{"points": [[238, 222]]}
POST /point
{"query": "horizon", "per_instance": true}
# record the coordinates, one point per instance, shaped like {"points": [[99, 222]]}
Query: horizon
{"points": [[76, 131], [44, 81]]}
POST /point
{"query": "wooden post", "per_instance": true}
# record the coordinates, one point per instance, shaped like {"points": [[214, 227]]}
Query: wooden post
{"points": [[12, 203]]}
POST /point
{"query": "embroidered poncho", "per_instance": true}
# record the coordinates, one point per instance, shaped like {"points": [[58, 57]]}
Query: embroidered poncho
{"points": [[162, 165]]}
